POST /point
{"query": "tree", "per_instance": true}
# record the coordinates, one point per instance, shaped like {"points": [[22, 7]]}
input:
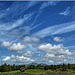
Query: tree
{"points": [[46, 67], [22, 69], [31, 67], [69, 66], [13, 67], [9, 67], [4, 68], [64, 68]]}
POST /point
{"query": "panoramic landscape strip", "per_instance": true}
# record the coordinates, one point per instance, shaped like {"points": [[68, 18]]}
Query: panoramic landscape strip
{"points": [[37, 69]]}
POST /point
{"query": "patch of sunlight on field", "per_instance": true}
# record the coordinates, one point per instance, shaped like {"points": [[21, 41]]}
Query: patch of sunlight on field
{"points": [[11, 72], [35, 71]]}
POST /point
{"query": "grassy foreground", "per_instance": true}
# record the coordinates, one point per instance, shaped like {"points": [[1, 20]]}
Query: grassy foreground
{"points": [[36, 71]]}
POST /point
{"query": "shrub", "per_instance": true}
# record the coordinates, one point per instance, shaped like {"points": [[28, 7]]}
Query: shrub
{"points": [[22, 69]]}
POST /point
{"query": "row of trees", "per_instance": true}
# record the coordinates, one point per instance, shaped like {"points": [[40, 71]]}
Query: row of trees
{"points": [[63, 67]]}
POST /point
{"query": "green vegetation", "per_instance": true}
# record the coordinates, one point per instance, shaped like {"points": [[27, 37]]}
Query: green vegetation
{"points": [[37, 69]]}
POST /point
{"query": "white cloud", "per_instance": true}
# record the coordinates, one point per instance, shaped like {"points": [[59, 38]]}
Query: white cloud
{"points": [[19, 21], [12, 56], [50, 61], [30, 39], [18, 59], [16, 47], [58, 39], [6, 44], [48, 3], [28, 54], [20, 52], [21, 31], [6, 59], [11, 26], [56, 49], [66, 12], [49, 55], [56, 29], [55, 53]]}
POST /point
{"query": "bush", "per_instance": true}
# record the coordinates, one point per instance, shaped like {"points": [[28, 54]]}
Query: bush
{"points": [[22, 69]]}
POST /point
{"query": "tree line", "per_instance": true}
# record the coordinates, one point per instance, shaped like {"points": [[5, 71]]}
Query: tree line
{"points": [[22, 68]]}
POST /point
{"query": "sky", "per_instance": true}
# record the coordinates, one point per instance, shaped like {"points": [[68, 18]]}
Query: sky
{"points": [[37, 32]]}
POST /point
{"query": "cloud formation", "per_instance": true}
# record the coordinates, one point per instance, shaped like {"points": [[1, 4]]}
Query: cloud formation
{"points": [[28, 54], [24, 32], [56, 49], [66, 12], [6, 44], [56, 29], [7, 58], [16, 47], [28, 39], [18, 59], [58, 39], [55, 53], [48, 3]]}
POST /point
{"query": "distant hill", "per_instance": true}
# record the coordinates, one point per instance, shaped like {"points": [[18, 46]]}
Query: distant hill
{"points": [[36, 63]]}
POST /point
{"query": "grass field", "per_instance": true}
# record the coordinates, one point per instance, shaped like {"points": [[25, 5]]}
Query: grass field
{"points": [[35, 71]]}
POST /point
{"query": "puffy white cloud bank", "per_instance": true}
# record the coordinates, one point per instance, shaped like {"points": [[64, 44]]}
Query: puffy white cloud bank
{"points": [[18, 59], [55, 53], [46, 53], [13, 46], [56, 49], [17, 46]]}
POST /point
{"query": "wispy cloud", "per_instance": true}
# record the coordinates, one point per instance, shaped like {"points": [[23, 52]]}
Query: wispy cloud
{"points": [[48, 3], [5, 32], [66, 12], [56, 29]]}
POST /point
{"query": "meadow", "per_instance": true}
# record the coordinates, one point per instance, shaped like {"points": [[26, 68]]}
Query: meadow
{"points": [[36, 71]]}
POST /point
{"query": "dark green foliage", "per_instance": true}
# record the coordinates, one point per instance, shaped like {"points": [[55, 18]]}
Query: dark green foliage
{"points": [[4, 68], [31, 67], [13, 67], [46, 67], [22, 68], [9, 67]]}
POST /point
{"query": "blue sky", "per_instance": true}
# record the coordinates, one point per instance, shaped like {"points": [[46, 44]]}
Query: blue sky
{"points": [[37, 31]]}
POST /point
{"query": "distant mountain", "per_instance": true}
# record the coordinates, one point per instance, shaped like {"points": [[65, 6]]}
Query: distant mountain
{"points": [[36, 63]]}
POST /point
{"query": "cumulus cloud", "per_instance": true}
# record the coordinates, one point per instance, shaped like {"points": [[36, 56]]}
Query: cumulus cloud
{"points": [[28, 39], [55, 53], [7, 58], [49, 55], [20, 52], [58, 39], [6, 44], [56, 49], [18, 59], [28, 54], [16, 47]]}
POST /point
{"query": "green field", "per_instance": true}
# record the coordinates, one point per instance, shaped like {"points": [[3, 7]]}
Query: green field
{"points": [[35, 71]]}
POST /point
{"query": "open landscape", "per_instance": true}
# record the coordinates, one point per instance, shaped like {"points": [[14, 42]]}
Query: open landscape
{"points": [[38, 69], [37, 37]]}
